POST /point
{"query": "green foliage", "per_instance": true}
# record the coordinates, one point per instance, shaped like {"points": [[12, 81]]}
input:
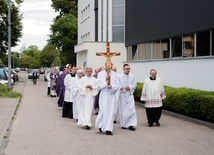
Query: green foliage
{"points": [[191, 102], [5, 92], [30, 57], [56, 62], [16, 25], [47, 56], [1, 62], [65, 7], [64, 37]]}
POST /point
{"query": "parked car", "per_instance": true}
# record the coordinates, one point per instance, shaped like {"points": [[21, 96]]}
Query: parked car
{"points": [[3, 74], [16, 75], [4, 77], [42, 70], [17, 69], [30, 73]]}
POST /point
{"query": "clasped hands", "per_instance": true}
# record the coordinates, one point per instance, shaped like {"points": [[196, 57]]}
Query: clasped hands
{"points": [[89, 86], [127, 88]]}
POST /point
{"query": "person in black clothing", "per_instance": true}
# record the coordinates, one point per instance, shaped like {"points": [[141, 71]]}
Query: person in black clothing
{"points": [[34, 76]]}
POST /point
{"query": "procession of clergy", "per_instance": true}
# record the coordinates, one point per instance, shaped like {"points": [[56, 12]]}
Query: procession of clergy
{"points": [[82, 93]]}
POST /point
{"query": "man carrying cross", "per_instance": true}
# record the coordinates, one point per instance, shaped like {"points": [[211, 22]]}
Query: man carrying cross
{"points": [[108, 84]]}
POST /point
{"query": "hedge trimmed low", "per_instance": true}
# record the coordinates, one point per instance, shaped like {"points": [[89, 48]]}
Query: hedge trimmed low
{"points": [[190, 102]]}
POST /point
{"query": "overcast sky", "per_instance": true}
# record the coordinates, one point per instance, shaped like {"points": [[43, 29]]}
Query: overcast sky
{"points": [[37, 18]]}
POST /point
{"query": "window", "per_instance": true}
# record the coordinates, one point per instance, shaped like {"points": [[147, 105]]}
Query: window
{"points": [[118, 2], [156, 50], [203, 44], [118, 33], [144, 51], [118, 15], [118, 20], [134, 52], [165, 48], [177, 47], [188, 46], [129, 53]]}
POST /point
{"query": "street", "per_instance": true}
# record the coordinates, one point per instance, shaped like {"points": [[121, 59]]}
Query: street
{"points": [[39, 128]]}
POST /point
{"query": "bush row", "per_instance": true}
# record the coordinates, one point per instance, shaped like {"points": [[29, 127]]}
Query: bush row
{"points": [[190, 102]]}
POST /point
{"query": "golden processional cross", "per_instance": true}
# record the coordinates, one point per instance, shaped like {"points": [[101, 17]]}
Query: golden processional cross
{"points": [[108, 63]]}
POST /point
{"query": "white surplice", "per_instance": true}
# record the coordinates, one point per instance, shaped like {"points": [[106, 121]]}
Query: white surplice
{"points": [[69, 83], [87, 104], [77, 98], [126, 101], [153, 93], [107, 101]]}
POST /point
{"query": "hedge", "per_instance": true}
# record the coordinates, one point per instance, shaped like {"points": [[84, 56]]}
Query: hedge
{"points": [[190, 102]]}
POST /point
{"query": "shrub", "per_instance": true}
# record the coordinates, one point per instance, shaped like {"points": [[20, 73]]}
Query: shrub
{"points": [[5, 92], [190, 102]]}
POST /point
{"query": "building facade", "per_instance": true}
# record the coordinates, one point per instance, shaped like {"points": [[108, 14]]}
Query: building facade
{"points": [[100, 21], [174, 37]]}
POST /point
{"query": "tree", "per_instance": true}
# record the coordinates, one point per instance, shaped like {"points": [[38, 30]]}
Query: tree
{"points": [[65, 7], [47, 55], [64, 37], [16, 25], [56, 62], [30, 57]]}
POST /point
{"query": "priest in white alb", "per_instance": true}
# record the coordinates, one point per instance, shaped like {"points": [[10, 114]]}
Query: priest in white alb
{"points": [[153, 93], [107, 100], [77, 97], [88, 91], [128, 118]]}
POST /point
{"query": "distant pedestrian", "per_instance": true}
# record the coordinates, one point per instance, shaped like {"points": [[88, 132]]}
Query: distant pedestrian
{"points": [[49, 83], [153, 93], [34, 76], [53, 77]]}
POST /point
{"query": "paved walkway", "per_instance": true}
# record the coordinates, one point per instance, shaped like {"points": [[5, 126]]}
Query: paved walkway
{"points": [[7, 110], [40, 129]]}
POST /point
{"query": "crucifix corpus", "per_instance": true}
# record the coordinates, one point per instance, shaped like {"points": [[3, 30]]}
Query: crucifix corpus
{"points": [[108, 63]]}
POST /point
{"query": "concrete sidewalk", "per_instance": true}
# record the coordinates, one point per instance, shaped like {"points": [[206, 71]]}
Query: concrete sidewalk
{"points": [[39, 129], [7, 109]]}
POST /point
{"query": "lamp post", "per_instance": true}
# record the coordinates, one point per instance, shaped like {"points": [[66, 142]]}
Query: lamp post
{"points": [[9, 44]]}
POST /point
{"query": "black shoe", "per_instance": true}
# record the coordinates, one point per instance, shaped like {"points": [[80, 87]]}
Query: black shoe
{"points": [[51, 95], [76, 120], [88, 127], [109, 133], [157, 123], [150, 125], [115, 122], [132, 128], [100, 130], [124, 128], [96, 113]]}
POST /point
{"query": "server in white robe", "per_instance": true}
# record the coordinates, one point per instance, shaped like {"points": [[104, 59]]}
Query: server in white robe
{"points": [[116, 106], [77, 97], [153, 93], [107, 99], [69, 83], [128, 118], [88, 91]]}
